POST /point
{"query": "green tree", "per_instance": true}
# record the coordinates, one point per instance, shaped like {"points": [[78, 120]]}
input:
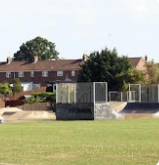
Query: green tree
{"points": [[152, 72], [17, 88], [106, 66], [5, 89], [131, 76], [44, 49]]}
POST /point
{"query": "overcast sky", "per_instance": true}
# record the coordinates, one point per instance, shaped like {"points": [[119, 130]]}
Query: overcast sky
{"points": [[82, 26]]}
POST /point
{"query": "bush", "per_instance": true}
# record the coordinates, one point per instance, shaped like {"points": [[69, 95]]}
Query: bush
{"points": [[32, 100], [41, 97], [46, 96]]}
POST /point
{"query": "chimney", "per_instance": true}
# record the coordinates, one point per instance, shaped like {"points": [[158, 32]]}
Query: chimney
{"points": [[35, 58], [85, 57], [146, 58], [9, 60]]}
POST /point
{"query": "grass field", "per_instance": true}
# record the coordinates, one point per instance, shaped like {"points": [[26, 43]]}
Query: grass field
{"points": [[113, 142]]}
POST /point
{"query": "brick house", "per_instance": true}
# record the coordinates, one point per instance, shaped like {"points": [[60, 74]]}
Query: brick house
{"points": [[38, 73], [139, 63]]}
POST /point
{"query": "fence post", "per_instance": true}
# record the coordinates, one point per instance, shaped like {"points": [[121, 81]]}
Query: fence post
{"points": [[75, 90], [68, 93], [94, 92], [121, 96], [158, 92], [129, 94], [139, 92], [106, 92], [56, 93], [109, 96]]}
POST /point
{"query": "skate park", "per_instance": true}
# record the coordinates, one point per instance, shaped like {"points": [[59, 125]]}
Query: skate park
{"points": [[94, 102], [143, 101]]}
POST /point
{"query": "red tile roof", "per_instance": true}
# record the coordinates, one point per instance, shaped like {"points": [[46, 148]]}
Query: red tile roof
{"points": [[50, 65], [134, 60], [41, 65]]}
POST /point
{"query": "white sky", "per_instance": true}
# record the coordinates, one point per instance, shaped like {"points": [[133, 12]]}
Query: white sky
{"points": [[82, 26]]}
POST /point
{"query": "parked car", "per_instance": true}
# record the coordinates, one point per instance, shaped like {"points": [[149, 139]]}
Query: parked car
{"points": [[1, 119]]}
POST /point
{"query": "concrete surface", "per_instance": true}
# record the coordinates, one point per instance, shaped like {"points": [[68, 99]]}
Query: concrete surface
{"points": [[16, 114]]}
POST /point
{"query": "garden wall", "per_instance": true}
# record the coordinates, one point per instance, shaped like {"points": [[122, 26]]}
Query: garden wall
{"points": [[37, 107]]}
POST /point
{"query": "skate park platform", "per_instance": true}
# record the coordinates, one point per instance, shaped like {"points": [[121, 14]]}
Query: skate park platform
{"points": [[140, 110]]}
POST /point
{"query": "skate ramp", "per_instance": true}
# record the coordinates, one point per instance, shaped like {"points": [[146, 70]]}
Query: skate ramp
{"points": [[16, 114], [142, 108], [117, 106], [28, 115], [9, 110]]}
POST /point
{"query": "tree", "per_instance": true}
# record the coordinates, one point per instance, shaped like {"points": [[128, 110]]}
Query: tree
{"points": [[152, 72], [106, 66], [5, 89], [17, 88], [132, 76], [44, 49]]}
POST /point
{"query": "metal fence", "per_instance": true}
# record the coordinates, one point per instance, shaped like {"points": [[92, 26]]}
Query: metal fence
{"points": [[145, 93], [137, 93], [92, 92], [134, 93], [95, 92], [115, 96]]}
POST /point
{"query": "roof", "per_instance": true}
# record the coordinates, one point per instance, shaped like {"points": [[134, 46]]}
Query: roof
{"points": [[56, 65], [134, 60]]}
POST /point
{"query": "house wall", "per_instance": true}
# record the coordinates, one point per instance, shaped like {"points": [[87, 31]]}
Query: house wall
{"points": [[38, 79], [141, 65]]}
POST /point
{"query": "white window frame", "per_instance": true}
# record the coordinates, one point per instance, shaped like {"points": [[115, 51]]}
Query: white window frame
{"points": [[32, 74], [59, 73], [20, 74], [73, 73], [44, 73], [36, 86], [8, 74], [54, 87]]}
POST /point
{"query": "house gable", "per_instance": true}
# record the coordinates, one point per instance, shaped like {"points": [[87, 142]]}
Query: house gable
{"points": [[139, 63]]}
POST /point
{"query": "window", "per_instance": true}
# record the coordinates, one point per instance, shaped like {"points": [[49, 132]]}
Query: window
{"points": [[45, 74], [20, 74], [72, 73], [36, 86], [32, 74], [59, 73], [8, 74]]}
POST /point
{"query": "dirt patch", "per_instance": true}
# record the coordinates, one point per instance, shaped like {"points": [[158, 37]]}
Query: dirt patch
{"points": [[139, 116], [61, 156]]}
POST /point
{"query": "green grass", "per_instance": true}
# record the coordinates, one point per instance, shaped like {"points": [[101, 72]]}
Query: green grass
{"points": [[113, 142]]}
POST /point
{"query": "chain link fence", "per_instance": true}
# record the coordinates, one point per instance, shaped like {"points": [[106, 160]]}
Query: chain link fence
{"points": [[81, 92], [137, 93], [144, 93], [150, 93]]}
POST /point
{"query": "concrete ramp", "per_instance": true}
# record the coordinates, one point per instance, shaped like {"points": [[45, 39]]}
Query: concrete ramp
{"points": [[86, 111], [142, 108]]}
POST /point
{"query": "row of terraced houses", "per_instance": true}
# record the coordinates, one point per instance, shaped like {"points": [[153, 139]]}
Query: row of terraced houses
{"points": [[41, 73]]}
